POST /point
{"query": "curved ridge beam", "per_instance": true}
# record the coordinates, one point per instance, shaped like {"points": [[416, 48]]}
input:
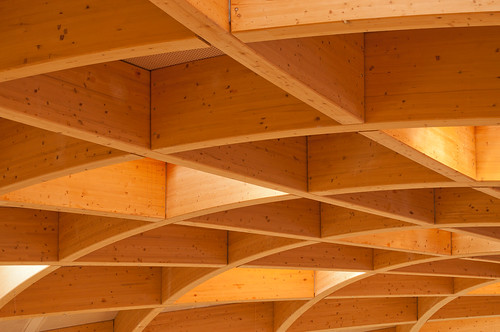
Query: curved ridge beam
{"points": [[54, 36], [254, 21]]}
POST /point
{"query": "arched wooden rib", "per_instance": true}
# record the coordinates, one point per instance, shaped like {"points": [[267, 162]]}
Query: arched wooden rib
{"points": [[253, 21], [106, 326], [427, 307], [328, 282], [54, 36]]}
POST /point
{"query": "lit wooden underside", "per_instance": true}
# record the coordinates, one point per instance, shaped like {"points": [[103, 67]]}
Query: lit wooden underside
{"points": [[337, 169]]}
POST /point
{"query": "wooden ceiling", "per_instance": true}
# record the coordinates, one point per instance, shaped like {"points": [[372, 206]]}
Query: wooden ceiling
{"points": [[337, 169]]}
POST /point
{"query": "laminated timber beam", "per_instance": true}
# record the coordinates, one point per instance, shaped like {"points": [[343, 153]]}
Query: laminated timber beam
{"points": [[46, 37], [339, 100], [257, 20], [30, 155]]}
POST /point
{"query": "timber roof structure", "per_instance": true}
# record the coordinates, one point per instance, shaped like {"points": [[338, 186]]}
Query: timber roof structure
{"points": [[279, 165]]}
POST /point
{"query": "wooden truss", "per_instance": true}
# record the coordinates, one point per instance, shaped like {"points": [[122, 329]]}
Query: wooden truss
{"points": [[337, 168]]}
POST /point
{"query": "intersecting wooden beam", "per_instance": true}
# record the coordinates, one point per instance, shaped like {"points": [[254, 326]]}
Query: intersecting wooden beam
{"points": [[279, 64], [199, 107], [254, 20]]}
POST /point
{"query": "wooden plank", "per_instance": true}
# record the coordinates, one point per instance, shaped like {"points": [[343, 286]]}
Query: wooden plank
{"points": [[254, 20], [296, 218], [368, 313], [278, 164], [72, 289], [105, 104], [167, 245], [134, 189], [466, 207], [488, 153], [244, 284], [453, 72], [45, 37], [425, 241], [338, 222], [454, 267], [93, 327], [80, 235], [340, 163], [412, 206], [463, 244], [191, 193], [28, 236], [469, 306], [321, 256], [30, 155], [196, 105], [385, 285], [315, 60], [248, 317], [450, 151], [493, 289], [340, 101]]}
